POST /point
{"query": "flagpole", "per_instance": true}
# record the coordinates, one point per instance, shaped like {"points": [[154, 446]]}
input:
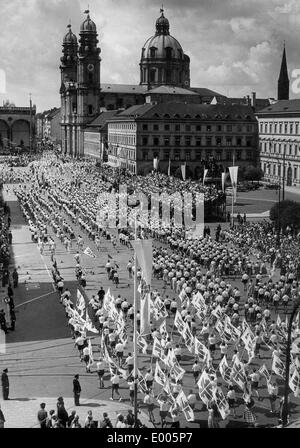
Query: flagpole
{"points": [[135, 347]]}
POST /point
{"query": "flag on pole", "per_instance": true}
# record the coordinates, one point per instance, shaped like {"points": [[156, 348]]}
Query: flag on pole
{"points": [[159, 375], [184, 405], [183, 171], [225, 370], [200, 350], [169, 168], [80, 303], [179, 322], [88, 323], [264, 371], [144, 253], [156, 349], [155, 163], [221, 402], [294, 382], [205, 388], [88, 251], [278, 366], [223, 176], [204, 175], [233, 171]]}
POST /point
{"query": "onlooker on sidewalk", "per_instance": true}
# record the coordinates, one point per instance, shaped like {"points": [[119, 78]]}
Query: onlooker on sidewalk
{"points": [[42, 416], [76, 390], [5, 384]]}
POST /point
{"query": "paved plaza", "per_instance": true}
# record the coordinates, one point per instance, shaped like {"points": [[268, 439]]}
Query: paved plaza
{"points": [[40, 354]]}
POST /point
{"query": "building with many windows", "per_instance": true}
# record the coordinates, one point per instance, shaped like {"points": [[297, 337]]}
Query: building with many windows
{"points": [[279, 141], [178, 133]]}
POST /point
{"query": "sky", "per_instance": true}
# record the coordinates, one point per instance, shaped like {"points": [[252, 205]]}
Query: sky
{"points": [[235, 46]]}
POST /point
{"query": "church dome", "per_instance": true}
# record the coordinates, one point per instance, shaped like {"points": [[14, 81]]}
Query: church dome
{"points": [[88, 25], [70, 37], [163, 46]]}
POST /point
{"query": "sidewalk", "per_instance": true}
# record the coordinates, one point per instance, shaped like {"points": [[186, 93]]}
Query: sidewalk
{"points": [[22, 412], [295, 190]]}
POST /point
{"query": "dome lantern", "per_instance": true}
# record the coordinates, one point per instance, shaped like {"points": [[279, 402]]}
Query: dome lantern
{"points": [[162, 24]]}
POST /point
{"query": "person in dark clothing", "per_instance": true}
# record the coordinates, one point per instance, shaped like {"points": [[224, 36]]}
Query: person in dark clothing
{"points": [[5, 278], [76, 390], [42, 416], [5, 384], [101, 294], [10, 291], [12, 319], [10, 237], [62, 414], [15, 277], [3, 322]]}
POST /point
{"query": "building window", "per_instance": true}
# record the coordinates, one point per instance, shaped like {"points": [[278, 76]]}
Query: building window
{"points": [[248, 143], [297, 128], [219, 141], [285, 128], [295, 173], [145, 141], [228, 141], [168, 76], [187, 141], [155, 127], [291, 128], [219, 128], [187, 127], [208, 128], [208, 141], [198, 142], [177, 127], [240, 128], [166, 141], [167, 127], [229, 128], [219, 156], [198, 154], [279, 170], [228, 156], [145, 127], [168, 52], [90, 108], [275, 128], [145, 155], [177, 140], [187, 155], [280, 128], [167, 154], [249, 128], [156, 141], [239, 142], [261, 127], [152, 52], [198, 128], [239, 155], [152, 75]]}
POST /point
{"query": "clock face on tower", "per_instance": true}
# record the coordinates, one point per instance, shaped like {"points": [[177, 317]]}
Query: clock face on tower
{"points": [[90, 67]]}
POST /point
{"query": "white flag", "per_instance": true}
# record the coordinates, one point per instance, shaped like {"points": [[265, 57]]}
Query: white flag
{"points": [[80, 303], [88, 251], [183, 171], [204, 175]]}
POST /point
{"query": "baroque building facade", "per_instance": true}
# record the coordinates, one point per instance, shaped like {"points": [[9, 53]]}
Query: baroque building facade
{"points": [[164, 77]]}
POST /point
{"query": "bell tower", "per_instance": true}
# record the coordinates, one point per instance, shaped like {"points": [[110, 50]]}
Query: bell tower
{"points": [[88, 77], [68, 91]]}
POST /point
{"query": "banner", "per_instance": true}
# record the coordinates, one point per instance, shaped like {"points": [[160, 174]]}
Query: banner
{"points": [[155, 163], [156, 349], [169, 168], [221, 402], [183, 171], [205, 388], [200, 350], [88, 251], [179, 322], [144, 253], [223, 176], [278, 366], [183, 403], [159, 375], [294, 382], [88, 323], [225, 370], [80, 303], [145, 314], [204, 175], [264, 371], [233, 171], [238, 374]]}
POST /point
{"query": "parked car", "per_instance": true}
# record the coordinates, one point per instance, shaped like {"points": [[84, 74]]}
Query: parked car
{"points": [[272, 187]]}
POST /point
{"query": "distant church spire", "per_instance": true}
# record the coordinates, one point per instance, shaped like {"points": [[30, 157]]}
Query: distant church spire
{"points": [[283, 80]]}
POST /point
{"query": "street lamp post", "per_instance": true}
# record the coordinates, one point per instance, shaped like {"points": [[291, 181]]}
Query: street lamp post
{"points": [[285, 406]]}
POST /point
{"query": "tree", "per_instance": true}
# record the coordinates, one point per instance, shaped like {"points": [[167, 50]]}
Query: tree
{"points": [[287, 213], [253, 173]]}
